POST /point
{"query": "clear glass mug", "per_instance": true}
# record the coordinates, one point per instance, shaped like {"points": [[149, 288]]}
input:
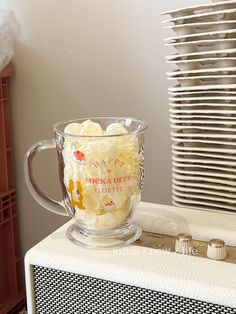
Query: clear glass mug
{"points": [[101, 179]]}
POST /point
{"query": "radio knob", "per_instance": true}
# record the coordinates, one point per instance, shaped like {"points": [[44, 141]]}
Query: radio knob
{"points": [[216, 249], [183, 243]]}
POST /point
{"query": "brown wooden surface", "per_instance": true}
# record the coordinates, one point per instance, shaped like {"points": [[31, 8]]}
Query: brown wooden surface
{"points": [[7, 71]]}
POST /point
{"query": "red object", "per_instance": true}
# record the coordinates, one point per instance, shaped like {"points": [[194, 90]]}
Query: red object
{"points": [[11, 278], [79, 157], [110, 203]]}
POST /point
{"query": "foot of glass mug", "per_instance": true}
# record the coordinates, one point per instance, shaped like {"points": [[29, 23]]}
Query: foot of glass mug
{"points": [[103, 240]]}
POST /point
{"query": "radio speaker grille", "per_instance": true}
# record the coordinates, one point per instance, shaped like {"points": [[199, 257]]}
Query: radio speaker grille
{"points": [[60, 292]]}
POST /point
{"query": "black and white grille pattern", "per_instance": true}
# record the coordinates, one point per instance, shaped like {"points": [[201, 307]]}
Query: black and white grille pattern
{"points": [[59, 292]]}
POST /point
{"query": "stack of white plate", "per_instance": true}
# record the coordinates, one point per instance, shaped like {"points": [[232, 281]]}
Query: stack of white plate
{"points": [[203, 105]]}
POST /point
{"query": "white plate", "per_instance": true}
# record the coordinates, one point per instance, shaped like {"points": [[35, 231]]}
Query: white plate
{"points": [[202, 196], [202, 155], [203, 135], [220, 166], [210, 104], [203, 128], [202, 161], [193, 142], [203, 191], [204, 63], [199, 28], [202, 54], [205, 174], [210, 96], [209, 208], [209, 119], [203, 179], [201, 61], [203, 44], [224, 87], [225, 71], [178, 201], [204, 98], [213, 44], [226, 14], [205, 112], [192, 132], [200, 25], [204, 148], [196, 81], [205, 79], [208, 6], [204, 106], [217, 34], [216, 187], [198, 123], [203, 93], [194, 46]]}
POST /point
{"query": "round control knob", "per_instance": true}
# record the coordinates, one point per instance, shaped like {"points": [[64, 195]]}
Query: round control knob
{"points": [[183, 243], [216, 249]]}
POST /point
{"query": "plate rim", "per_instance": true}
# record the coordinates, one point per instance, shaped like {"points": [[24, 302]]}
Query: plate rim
{"points": [[210, 33], [202, 6], [200, 53], [199, 15]]}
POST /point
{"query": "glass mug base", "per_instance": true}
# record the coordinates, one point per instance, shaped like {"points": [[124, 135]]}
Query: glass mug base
{"points": [[104, 240]]}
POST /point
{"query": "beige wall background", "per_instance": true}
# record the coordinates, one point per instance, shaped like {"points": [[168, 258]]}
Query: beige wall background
{"points": [[80, 58]]}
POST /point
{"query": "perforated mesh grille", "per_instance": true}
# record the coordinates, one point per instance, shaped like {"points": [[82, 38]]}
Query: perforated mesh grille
{"points": [[68, 293]]}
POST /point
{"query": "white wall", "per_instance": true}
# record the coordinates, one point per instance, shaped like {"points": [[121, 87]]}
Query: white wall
{"points": [[79, 58]]}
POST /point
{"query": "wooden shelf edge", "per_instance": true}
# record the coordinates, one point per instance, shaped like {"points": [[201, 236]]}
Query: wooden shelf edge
{"points": [[7, 71], [9, 304], [8, 192]]}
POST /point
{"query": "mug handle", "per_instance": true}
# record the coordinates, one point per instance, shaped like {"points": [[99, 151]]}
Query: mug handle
{"points": [[58, 207]]}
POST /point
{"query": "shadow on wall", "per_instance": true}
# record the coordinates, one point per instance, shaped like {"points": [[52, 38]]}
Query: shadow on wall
{"points": [[32, 113]]}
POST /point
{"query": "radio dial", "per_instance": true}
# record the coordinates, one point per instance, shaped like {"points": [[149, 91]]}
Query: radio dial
{"points": [[183, 243], [216, 249]]}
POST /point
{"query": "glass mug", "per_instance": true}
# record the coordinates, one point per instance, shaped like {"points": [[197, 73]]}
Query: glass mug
{"points": [[101, 175]]}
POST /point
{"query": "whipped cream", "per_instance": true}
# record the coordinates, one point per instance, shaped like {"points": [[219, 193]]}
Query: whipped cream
{"points": [[101, 173]]}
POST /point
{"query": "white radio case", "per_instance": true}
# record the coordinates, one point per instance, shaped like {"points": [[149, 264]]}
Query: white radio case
{"points": [[62, 277]]}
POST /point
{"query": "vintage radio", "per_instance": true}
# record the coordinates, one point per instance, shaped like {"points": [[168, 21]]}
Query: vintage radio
{"points": [[175, 267]]}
